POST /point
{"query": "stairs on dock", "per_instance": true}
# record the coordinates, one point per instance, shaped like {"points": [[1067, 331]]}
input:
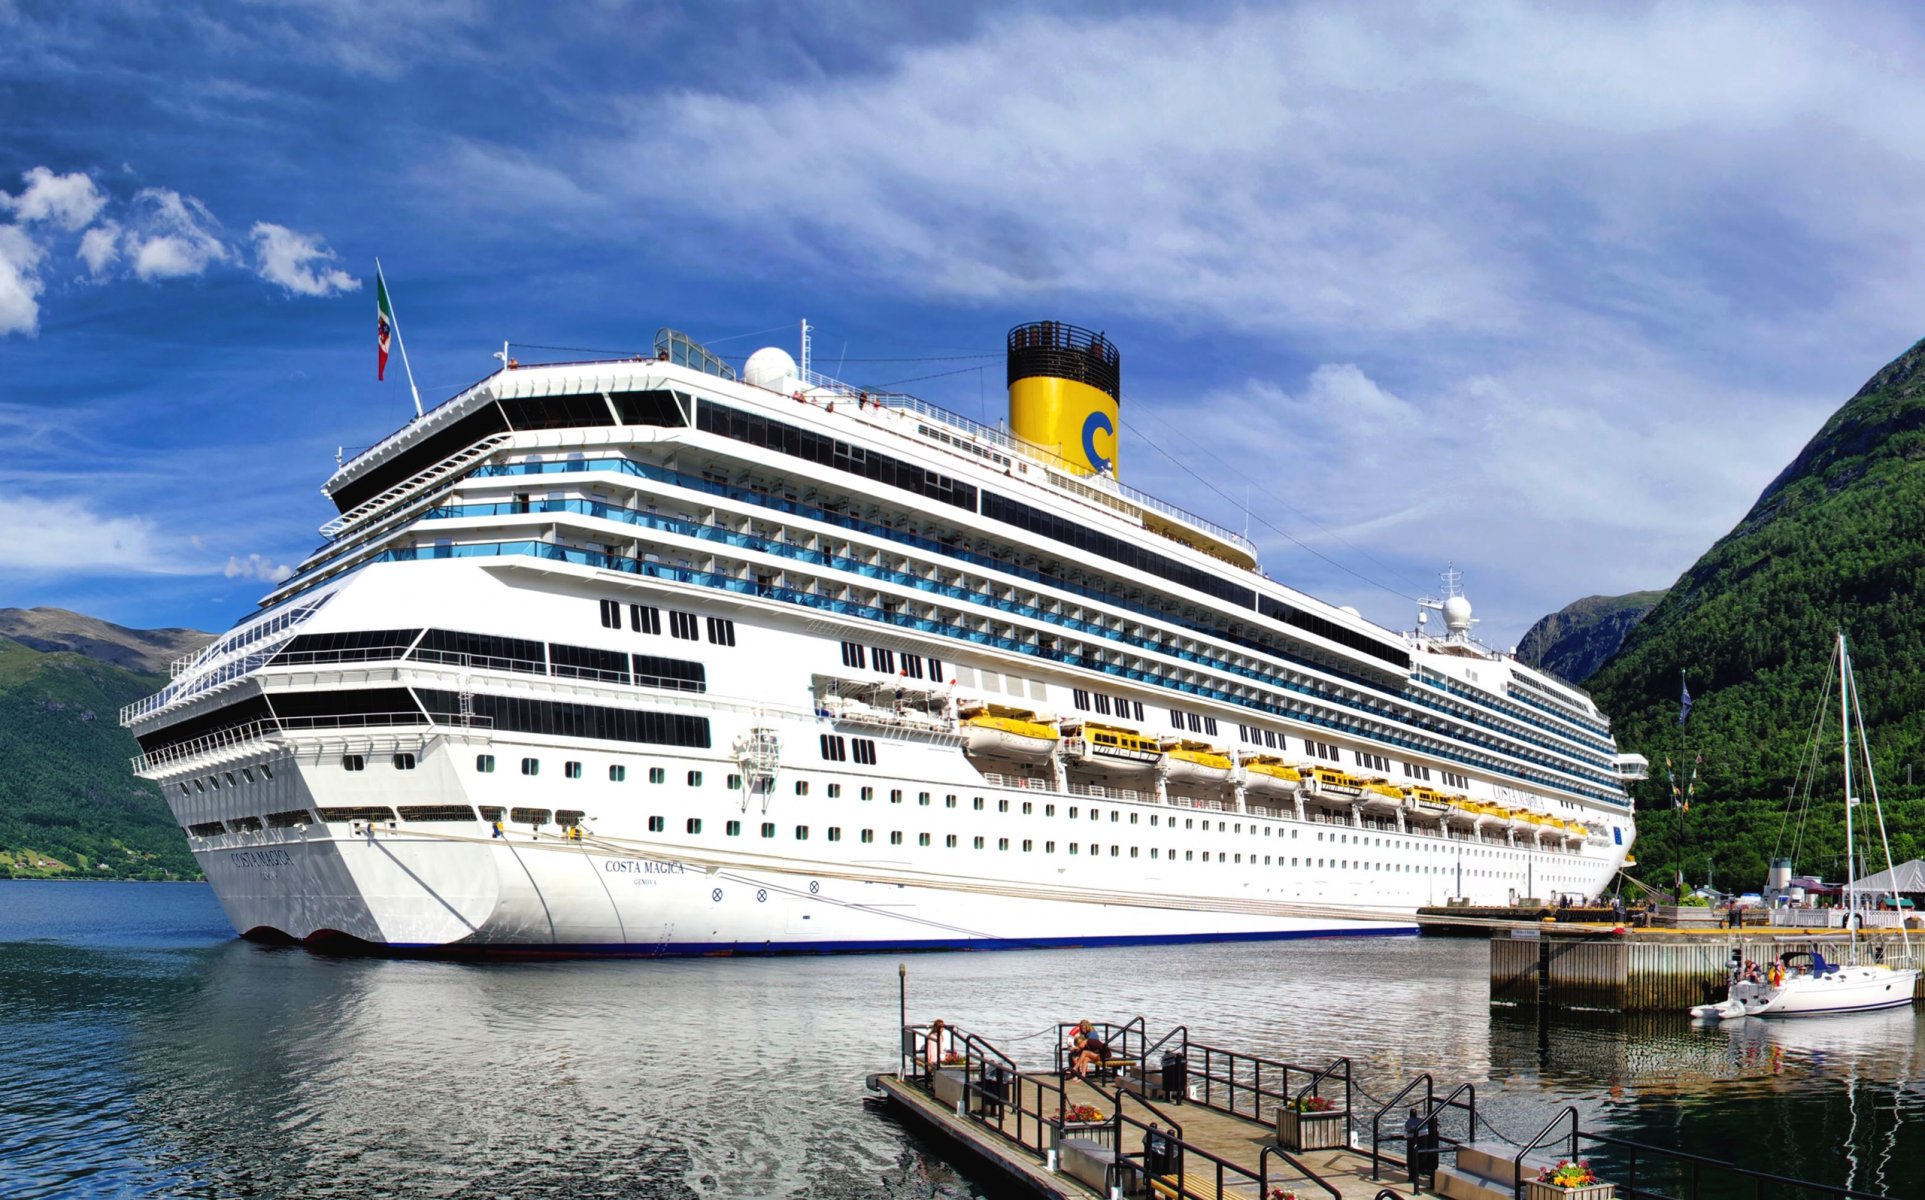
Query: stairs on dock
{"points": [[1483, 1172]]}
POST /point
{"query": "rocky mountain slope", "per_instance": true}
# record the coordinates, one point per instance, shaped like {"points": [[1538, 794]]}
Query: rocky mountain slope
{"points": [[1573, 642]]}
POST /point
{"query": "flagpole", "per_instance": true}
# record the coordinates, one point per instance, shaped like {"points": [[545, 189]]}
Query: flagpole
{"points": [[401, 342]]}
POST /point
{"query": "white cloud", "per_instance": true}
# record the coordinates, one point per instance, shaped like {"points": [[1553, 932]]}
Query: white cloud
{"points": [[171, 236], [20, 284], [70, 201], [296, 262], [65, 537], [99, 247], [256, 567]]}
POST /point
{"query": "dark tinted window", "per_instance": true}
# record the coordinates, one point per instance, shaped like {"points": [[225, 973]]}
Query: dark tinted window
{"points": [[826, 451], [586, 662], [674, 673], [481, 650], [520, 714], [360, 645]]}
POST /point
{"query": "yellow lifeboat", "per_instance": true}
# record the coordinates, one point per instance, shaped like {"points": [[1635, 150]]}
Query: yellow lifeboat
{"points": [[1016, 734], [1330, 781], [1267, 775], [1195, 762], [1112, 750]]}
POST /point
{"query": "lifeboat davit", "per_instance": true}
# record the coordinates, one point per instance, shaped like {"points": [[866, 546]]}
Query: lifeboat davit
{"points": [[1016, 737]]}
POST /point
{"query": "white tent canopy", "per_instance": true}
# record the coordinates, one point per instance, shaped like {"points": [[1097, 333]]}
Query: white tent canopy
{"points": [[1904, 878]]}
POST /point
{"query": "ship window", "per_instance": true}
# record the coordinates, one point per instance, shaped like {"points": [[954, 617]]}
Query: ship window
{"points": [[868, 793], [657, 824], [979, 843], [865, 751], [571, 770], [978, 804], [868, 835], [528, 816], [835, 833], [801, 833], [935, 669], [950, 841], [885, 660], [437, 812], [949, 801], [682, 625], [611, 614], [922, 798], [531, 766], [835, 791], [853, 656], [1002, 806], [1102, 704], [734, 782], [353, 762], [801, 787], [733, 829], [586, 662], [1072, 812], [245, 824], [657, 775], [1002, 843], [895, 795], [695, 779], [617, 773], [404, 762], [1028, 808], [482, 651], [768, 829], [207, 829], [694, 825], [266, 772], [485, 763], [912, 665], [922, 839], [721, 631], [292, 819], [834, 748], [644, 618], [895, 837], [1049, 810]]}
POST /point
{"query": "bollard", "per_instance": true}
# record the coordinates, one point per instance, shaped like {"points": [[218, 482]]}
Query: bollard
{"points": [[1051, 1162], [1116, 1191]]}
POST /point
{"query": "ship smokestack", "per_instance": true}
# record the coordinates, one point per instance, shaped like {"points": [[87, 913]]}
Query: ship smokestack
{"points": [[1065, 384]]}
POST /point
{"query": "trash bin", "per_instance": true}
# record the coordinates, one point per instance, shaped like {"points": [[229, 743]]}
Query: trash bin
{"points": [[1176, 1077], [1159, 1153], [995, 1090]]}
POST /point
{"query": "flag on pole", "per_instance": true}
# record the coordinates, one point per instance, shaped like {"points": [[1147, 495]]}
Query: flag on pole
{"points": [[1684, 706], [384, 325]]}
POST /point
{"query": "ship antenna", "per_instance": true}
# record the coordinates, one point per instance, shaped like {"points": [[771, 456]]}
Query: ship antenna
{"points": [[806, 346]]}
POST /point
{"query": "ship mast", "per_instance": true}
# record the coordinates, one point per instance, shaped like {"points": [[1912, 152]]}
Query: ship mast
{"points": [[1844, 732]]}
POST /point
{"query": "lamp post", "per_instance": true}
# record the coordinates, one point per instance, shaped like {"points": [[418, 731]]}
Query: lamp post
{"points": [[902, 1009]]}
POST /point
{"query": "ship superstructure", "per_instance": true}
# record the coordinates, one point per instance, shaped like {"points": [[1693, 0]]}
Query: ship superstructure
{"points": [[642, 657]]}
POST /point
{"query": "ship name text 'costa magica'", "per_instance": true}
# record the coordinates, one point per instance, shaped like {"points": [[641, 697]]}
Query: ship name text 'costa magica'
{"points": [[643, 657]]}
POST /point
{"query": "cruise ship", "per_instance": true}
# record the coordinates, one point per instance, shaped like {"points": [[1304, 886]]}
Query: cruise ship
{"points": [[653, 657]]}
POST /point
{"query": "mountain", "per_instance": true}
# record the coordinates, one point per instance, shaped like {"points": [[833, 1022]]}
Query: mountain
{"points": [[1573, 642], [69, 806], [56, 629], [1837, 541]]}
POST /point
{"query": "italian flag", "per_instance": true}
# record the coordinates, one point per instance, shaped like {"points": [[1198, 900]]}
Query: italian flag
{"points": [[384, 325]]}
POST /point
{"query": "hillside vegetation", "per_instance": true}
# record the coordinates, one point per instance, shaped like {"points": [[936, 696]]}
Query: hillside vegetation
{"points": [[1837, 541], [1573, 642], [69, 806]]}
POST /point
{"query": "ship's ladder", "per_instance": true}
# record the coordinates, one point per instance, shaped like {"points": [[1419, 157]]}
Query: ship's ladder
{"points": [[759, 754]]}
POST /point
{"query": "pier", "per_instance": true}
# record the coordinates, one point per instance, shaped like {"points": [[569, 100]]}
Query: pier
{"points": [[1172, 1118], [1649, 970]]}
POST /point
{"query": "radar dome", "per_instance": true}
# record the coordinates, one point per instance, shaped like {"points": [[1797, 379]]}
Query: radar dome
{"points": [[772, 368], [1457, 614]]}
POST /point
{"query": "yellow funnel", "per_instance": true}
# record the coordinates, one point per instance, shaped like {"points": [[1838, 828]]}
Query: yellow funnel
{"points": [[1064, 386]]}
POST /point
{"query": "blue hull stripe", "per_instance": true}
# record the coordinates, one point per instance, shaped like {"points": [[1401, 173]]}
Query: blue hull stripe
{"points": [[700, 949]]}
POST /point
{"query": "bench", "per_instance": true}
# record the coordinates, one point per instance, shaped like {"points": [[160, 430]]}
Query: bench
{"points": [[1201, 1185], [1106, 1069]]}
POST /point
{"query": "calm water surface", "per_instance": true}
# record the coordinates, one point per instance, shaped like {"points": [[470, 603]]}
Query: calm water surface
{"points": [[148, 1052]]}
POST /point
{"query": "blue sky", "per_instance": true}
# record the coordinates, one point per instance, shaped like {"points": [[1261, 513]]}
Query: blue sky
{"points": [[1549, 291]]}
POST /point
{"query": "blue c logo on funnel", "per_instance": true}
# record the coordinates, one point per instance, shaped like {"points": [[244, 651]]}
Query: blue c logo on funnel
{"points": [[1098, 420]]}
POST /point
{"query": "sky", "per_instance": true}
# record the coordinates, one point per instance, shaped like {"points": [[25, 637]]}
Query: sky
{"points": [[1549, 292]]}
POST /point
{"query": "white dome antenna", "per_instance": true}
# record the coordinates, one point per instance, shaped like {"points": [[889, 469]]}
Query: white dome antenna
{"points": [[771, 368], [1452, 604]]}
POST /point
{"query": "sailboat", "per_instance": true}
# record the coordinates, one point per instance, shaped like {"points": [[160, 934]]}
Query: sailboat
{"points": [[1803, 983]]}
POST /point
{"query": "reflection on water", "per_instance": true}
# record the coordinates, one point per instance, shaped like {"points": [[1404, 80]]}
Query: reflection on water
{"points": [[151, 1053]]}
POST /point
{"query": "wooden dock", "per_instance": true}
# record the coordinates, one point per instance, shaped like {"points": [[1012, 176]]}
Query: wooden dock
{"points": [[1015, 1147], [1647, 970]]}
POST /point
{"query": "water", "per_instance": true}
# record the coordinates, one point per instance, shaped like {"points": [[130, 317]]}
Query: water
{"points": [[149, 1052]]}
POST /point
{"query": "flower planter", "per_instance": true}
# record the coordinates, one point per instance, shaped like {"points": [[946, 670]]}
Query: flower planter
{"points": [[1537, 1190], [1313, 1130]]}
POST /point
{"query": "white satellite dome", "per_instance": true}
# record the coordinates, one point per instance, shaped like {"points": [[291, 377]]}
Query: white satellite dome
{"points": [[1457, 614], [772, 368]]}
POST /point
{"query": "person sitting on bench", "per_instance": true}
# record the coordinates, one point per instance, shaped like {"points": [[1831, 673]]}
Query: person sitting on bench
{"points": [[1087, 1050]]}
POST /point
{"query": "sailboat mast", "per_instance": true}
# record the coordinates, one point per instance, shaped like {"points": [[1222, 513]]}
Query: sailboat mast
{"points": [[1844, 729]]}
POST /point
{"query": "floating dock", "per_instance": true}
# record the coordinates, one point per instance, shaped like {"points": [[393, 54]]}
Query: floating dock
{"points": [[1648, 970], [1174, 1119]]}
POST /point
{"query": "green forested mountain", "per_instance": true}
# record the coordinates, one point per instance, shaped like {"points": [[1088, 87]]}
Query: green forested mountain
{"points": [[1837, 541], [69, 806], [1573, 642]]}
